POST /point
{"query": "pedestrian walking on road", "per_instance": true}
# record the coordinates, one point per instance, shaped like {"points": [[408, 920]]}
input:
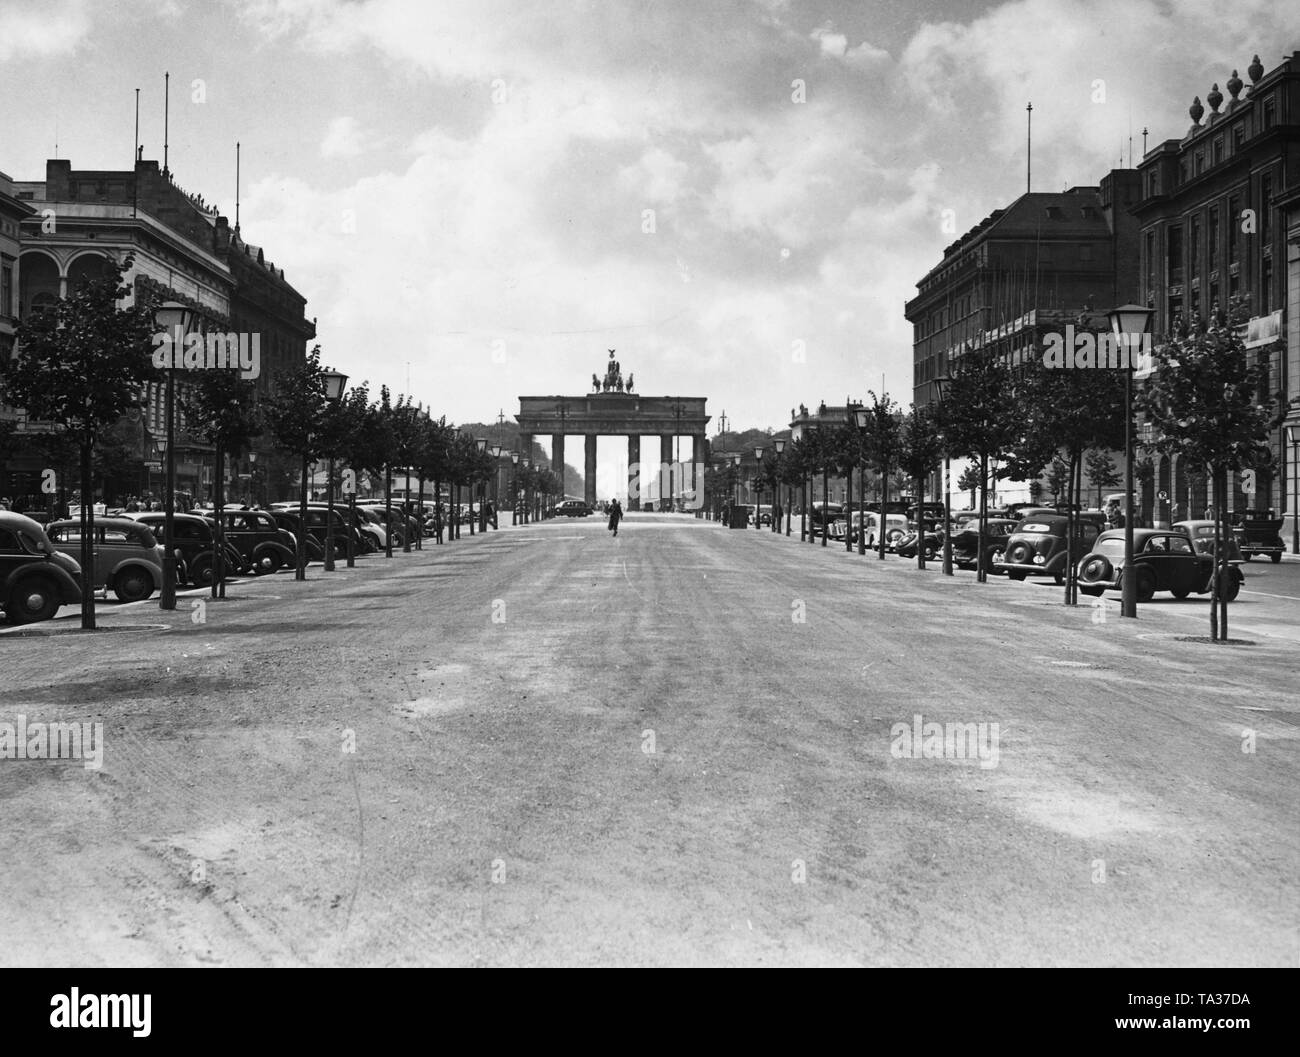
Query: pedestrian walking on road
{"points": [[615, 516], [437, 522], [492, 514]]}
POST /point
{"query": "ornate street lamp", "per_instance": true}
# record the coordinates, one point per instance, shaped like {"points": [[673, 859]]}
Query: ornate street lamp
{"points": [[862, 419], [779, 444], [1129, 323], [176, 318], [941, 387], [514, 488], [758, 487], [481, 443], [334, 383]]}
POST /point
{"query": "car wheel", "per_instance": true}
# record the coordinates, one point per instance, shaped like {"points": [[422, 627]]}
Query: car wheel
{"points": [[32, 599], [1229, 587], [267, 563], [1016, 574], [1180, 593], [1146, 585], [1059, 578], [1095, 570], [201, 571], [1276, 559], [1096, 592], [133, 584]]}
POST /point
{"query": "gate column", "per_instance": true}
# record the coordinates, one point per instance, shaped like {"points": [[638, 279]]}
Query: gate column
{"points": [[635, 480], [698, 446], [557, 457], [589, 470], [668, 475]]}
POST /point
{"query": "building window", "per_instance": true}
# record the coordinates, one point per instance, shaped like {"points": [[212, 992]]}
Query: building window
{"points": [[1234, 229], [1214, 296], [1200, 163], [1270, 112], [1194, 258], [6, 290], [1151, 262], [1212, 237], [1238, 137], [1218, 150], [1266, 287], [1175, 253]]}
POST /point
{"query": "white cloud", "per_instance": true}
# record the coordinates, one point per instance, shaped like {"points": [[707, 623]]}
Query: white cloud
{"points": [[31, 31], [346, 139]]}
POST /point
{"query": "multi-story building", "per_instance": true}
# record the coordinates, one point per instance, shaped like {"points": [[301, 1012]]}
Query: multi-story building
{"points": [[1213, 218], [1042, 262], [184, 251], [12, 213]]}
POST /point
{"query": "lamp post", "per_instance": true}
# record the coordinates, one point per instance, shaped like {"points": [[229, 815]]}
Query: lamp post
{"points": [[496, 482], [334, 383], [779, 445], [941, 385], [174, 317], [1293, 435], [1129, 323], [481, 443], [758, 488], [514, 488], [862, 419]]}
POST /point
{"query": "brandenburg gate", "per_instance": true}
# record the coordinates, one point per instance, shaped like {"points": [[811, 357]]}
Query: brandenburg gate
{"points": [[614, 408]]}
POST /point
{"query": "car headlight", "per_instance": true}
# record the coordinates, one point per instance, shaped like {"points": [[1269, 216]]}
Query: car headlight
{"points": [[1039, 560]]}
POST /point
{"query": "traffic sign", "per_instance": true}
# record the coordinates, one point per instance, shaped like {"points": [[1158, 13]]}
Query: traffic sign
{"points": [[1248, 481], [1163, 496]]}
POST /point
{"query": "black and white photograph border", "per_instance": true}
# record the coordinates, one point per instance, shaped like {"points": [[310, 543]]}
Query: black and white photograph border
{"points": [[647, 484]]}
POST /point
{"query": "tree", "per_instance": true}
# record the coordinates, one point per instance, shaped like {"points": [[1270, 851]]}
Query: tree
{"points": [[981, 418], [1203, 400], [295, 413], [222, 408], [883, 443], [82, 363], [969, 481], [342, 436], [1101, 471], [920, 450], [1058, 479]]}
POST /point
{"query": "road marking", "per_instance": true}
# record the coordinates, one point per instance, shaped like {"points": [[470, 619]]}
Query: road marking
{"points": [[1265, 594]]}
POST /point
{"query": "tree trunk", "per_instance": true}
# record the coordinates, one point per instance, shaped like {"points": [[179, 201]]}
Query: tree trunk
{"points": [[884, 498], [218, 531], [980, 575], [826, 502], [419, 515], [920, 522], [848, 510], [87, 544], [300, 566]]}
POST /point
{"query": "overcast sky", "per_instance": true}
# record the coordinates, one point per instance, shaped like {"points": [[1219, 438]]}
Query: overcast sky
{"points": [[498, 160]]}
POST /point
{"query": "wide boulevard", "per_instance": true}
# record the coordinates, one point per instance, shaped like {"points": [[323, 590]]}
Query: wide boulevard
{"points": [[683, 745]]}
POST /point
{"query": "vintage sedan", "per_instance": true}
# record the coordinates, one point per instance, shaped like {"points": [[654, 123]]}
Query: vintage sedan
{"points": [[1037, 546], [128, 559], [259, 538], [896, 528], [965, 541], [35, 578], [573, 508], [1163, 560], [1201, 533], [932, 542], [194, 544]]}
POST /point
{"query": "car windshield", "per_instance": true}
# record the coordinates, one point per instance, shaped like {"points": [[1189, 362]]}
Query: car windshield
{"points": [[1036, 526], [1111, 546]]}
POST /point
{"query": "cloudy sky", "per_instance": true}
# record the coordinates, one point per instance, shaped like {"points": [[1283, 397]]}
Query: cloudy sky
{"points": [[468, 187]]}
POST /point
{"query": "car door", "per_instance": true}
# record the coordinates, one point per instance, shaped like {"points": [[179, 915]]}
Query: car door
{"points": [[11, 554], [1184, 566], [1155, 556]]}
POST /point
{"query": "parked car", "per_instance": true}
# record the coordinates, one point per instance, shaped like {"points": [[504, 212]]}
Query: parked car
{"points": [[1201, 533], [259, 538], [194, 544], [932, 541], [896, 528], [1258, 533], [573, 508], [128, 559], [35, 578], [822, 513], [965, 541], [1163, 559], [1036, 547], [290, 523]]}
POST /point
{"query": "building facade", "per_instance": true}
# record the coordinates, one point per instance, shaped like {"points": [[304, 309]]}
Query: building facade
{"points": [[1214, 233]]}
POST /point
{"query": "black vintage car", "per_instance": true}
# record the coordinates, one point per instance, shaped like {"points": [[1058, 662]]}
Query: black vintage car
{"points": [[965, 541], [1163, 560], [194, 542], [1037, 546], [259, 538], [1259, 533], [35, 579]]}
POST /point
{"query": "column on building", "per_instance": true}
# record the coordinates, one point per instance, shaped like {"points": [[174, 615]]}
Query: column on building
{"points": [[667, 473], [589, 470], [557, 457], [635, 481]]}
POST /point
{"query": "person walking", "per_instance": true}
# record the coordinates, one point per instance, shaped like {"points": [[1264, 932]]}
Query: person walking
{"points": [[492, 514], [615, 516], [437, 522]]}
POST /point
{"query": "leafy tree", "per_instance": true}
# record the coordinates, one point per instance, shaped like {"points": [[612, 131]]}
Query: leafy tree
{"points": [[82, 363], [295, 413], [883, 443], [1203, 399], [969, 481], [1101, 471], [920, 449], [1058, 478]]}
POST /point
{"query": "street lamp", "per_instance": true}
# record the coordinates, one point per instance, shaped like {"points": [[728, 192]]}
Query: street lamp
{"points": [[334, 383], [496, 483], [1129, 323], [174, 317], [758, 488], [779, 445], [862, 419], [941, 386]]}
